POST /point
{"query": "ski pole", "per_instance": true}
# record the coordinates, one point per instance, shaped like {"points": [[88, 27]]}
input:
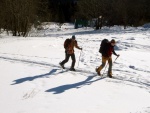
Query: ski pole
{"points": [[79, 58], [116, 59]]}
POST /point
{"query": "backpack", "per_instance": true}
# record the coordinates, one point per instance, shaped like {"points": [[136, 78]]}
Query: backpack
{"points": [[66, 43], [103, 45]]}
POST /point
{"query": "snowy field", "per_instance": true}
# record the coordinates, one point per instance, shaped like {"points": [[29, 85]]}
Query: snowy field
{"points": [[32, 81]]}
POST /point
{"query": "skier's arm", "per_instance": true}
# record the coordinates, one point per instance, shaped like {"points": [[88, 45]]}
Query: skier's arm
{"points": [[114, 52], [76, 45]]}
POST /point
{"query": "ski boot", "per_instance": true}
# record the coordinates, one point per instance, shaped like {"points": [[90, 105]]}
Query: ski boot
{"points": [[72, 69], [98, 72], [109, 75], [62, 65]]}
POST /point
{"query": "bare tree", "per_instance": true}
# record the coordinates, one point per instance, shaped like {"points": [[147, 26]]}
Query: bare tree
{"points": [[18, 15]]}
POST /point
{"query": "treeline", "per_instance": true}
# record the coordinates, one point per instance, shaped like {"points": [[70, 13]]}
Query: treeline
{"points": [[19, 15], [116, 12]]}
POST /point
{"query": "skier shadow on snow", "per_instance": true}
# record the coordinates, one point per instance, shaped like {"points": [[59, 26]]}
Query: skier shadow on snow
{"points": [[21, 80], [63, 88]]}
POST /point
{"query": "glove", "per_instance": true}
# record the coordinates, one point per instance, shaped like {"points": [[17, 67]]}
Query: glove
{"points": [[118, 55]]}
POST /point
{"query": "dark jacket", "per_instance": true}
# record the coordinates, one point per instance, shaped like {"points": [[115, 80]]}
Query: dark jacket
{"points": [[108, 50]]}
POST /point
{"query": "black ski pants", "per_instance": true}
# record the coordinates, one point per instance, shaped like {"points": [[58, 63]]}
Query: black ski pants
{"points": [[67, 56]]}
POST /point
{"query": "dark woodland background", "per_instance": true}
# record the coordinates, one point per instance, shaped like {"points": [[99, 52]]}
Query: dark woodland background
{"points": [[19, 15]]}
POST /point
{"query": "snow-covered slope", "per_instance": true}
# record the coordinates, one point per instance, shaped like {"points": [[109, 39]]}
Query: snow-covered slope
{"points": [[32, 81]]}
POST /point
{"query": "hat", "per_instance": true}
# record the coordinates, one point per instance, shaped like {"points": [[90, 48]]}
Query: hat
{"points": [[73, 37], [113, 41]]}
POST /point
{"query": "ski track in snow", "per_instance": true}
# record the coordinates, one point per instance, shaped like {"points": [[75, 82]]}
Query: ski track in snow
{"points": [[87, 59]]}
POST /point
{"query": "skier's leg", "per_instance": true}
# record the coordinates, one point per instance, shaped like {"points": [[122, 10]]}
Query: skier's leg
{"points": [[104, 59], [73, 61], [110, 67], [66, 58]]}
